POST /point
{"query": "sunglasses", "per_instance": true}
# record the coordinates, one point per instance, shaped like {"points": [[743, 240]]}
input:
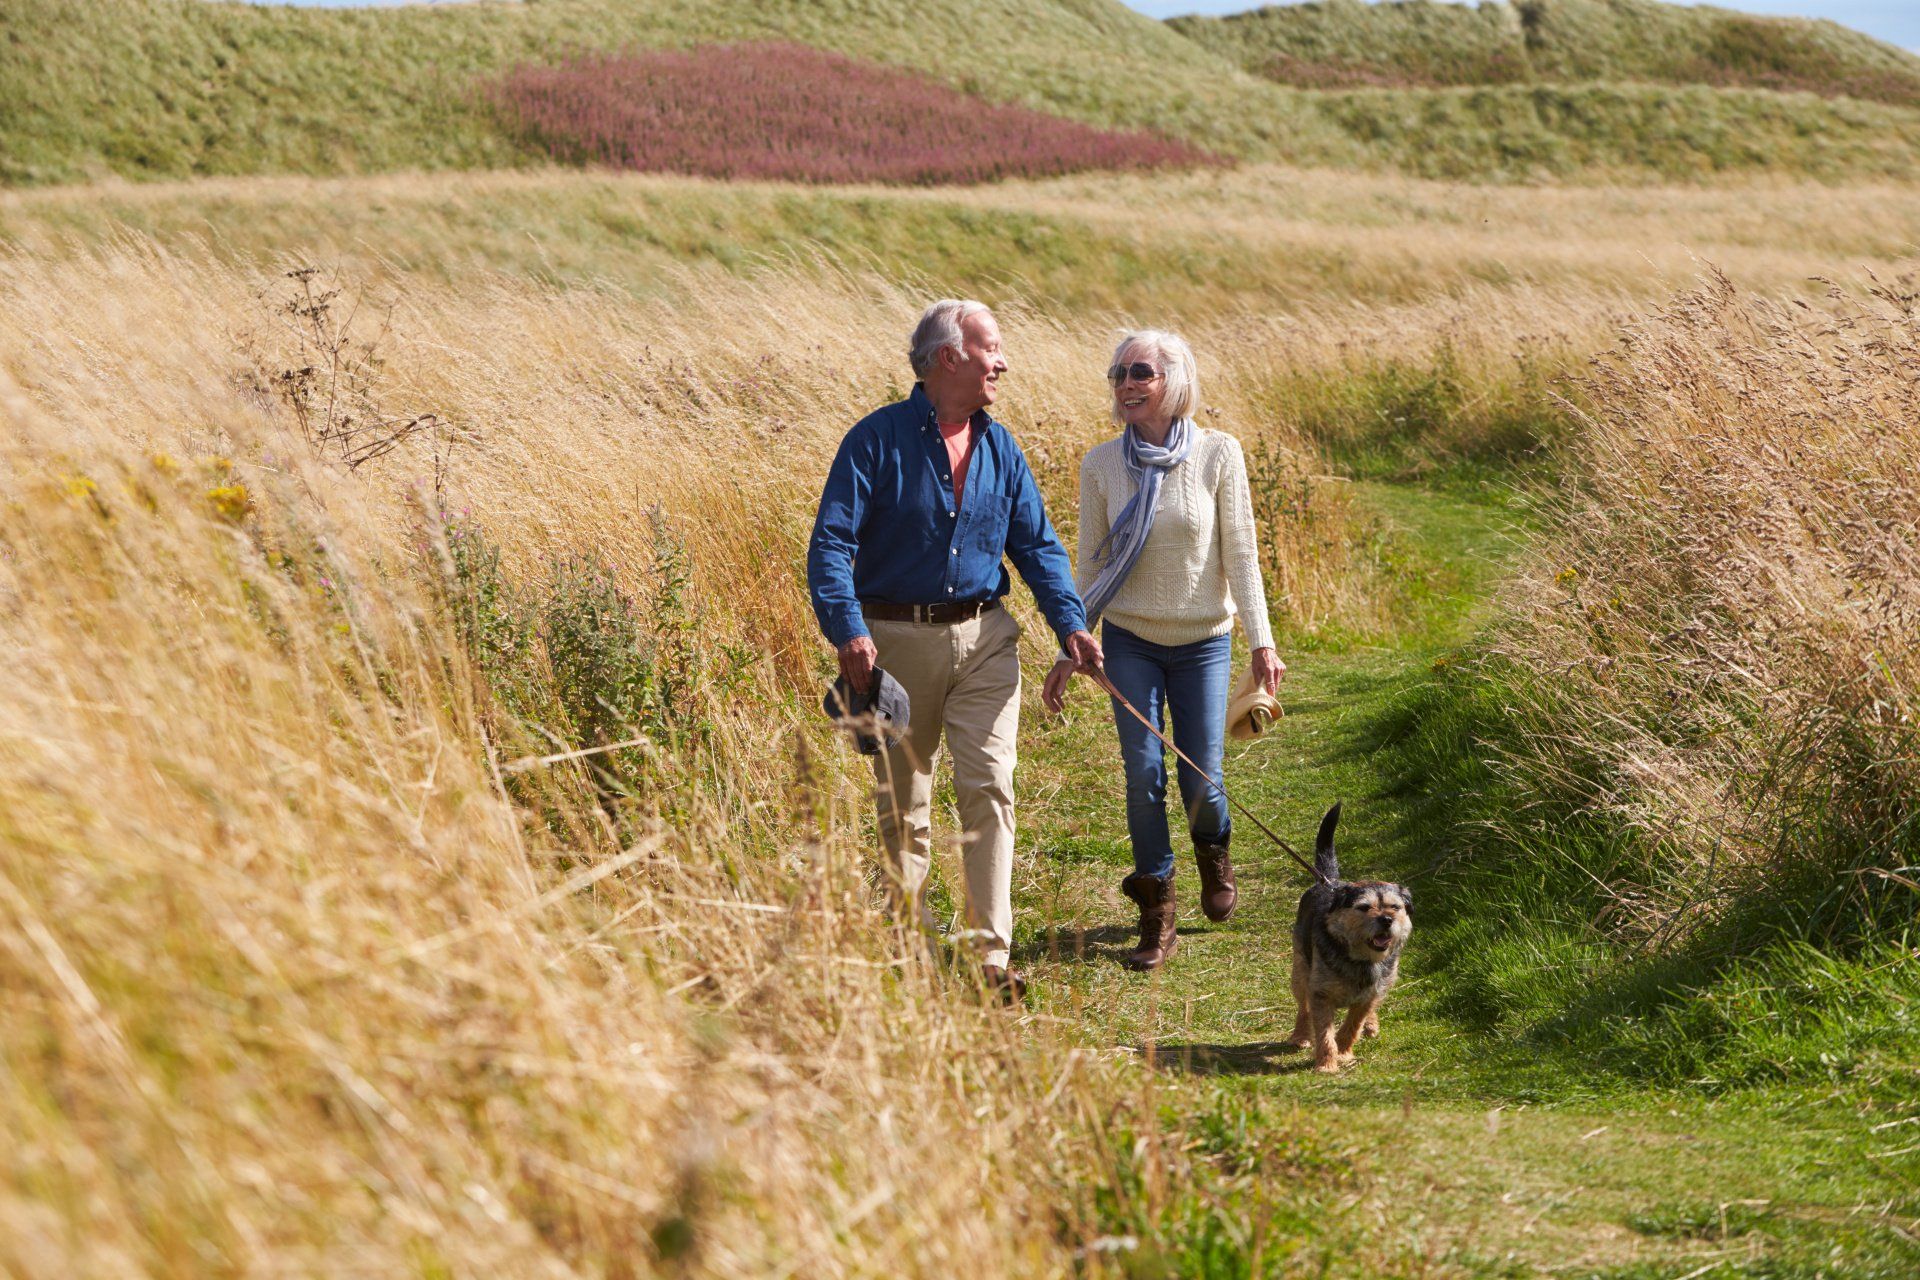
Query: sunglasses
{"points": [[1139, 371]]}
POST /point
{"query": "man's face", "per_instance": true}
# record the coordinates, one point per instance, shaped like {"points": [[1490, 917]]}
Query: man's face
{"points": [[980, 374]]}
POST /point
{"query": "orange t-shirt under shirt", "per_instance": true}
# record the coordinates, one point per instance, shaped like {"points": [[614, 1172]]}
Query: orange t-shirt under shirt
{"points": [[959, 441]]}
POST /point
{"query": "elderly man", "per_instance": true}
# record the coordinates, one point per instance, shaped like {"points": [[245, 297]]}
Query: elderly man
{"points": [[924, 499]]}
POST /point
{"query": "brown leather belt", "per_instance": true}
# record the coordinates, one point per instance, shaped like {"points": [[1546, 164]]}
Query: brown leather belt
{"points": [[938, 614]]}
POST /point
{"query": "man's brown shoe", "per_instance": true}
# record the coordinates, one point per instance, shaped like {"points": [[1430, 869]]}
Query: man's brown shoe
{"points": [[1218, 896], [1005, 984], [1158, 936]]}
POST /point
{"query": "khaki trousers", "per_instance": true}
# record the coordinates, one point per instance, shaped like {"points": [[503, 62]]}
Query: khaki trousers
{"points": [[962, 679]]}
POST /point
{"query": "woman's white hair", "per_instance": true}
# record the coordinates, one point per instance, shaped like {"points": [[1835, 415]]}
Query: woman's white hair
{"points": [[1169, 353], [939, 328]]}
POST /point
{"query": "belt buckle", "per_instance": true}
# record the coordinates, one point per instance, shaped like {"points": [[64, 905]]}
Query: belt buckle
{"points": [[923, 614]]}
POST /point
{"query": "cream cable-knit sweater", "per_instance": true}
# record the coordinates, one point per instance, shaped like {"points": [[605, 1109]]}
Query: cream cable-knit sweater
{"points": [[1200, 561]]}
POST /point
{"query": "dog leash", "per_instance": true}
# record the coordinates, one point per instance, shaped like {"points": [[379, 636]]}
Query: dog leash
{"points": [[1099, 677]]}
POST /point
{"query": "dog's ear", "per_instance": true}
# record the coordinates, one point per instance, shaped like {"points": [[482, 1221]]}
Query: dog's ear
{"points": [[1406, 897]]}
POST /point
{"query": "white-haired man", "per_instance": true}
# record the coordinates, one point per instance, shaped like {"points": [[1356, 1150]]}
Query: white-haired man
{"points": [[924, 500]]}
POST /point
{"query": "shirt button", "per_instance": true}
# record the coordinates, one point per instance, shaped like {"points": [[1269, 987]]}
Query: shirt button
{"points": [[954, 552], [949, 590]]}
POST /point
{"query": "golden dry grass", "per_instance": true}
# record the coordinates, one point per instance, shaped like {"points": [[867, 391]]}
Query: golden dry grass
{"points": [[1188, 246], [1716, 652], [296, 983], [302, 976], [578, 410], [293, 987]]}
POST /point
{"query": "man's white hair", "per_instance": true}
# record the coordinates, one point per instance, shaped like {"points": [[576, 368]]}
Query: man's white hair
{"points": [[939, 328], [1169, 353]]}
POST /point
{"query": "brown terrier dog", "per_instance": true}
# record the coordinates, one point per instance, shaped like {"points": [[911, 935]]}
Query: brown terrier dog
{"points": [[1346, 954]]}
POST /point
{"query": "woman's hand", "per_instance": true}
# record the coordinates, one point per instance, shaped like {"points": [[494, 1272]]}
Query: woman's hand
{"points": [[1053, 694], [1268, 669]]}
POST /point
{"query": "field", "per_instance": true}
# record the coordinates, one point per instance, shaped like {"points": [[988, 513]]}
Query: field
{"points": [[442, 480], [420, 849]]}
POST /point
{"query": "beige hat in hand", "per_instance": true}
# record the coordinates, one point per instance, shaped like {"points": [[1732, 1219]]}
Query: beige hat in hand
{"points": [[1252, 709]]}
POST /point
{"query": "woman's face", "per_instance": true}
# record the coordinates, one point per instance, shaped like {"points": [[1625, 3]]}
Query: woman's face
{"points": [[1139, 387]]}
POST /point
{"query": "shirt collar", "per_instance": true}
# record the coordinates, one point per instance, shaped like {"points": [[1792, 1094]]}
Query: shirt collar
{"points": [[922, 406]]}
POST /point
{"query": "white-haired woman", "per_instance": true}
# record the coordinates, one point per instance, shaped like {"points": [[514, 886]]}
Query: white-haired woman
{"points": [[1168, 557]]}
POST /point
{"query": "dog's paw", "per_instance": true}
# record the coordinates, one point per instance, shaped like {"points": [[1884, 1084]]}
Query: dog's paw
{"points": [[1331, 1067], [1302, 1041], [1346, 1059], [1370, 1031]]}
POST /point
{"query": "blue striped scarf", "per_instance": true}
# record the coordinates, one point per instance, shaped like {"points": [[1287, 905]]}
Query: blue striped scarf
{"points": [[1117, 552]]}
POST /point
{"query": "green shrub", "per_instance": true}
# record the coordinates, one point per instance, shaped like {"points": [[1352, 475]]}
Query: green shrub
{"points": [[577, 663]]}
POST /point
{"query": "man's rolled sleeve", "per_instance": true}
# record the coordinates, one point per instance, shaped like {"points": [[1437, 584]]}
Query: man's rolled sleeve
{"points": [[836, 538], [1036, 552]]}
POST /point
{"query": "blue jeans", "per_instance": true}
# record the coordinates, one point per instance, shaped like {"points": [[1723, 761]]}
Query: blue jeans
{"points": [[1192, 681]]}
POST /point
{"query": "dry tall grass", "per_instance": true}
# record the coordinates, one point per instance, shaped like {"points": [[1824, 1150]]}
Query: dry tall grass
{"points": [[1717, 652], [305, 973], [1191, 245], [570, 413], [292, 986]]}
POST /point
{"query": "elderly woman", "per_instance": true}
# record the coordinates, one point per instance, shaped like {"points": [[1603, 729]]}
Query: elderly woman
{"points": [[1168, 556]]}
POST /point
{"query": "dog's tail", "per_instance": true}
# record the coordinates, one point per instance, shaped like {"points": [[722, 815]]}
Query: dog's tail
{"points": [[1324, 861]]}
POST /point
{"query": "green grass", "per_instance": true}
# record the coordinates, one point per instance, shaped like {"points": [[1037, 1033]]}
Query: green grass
{"points": [[1395, 418], [1335, 44], [185, 88], [1797, 984], [175, 88], [1530, 132], [1523, 1111], [1416, 42]]}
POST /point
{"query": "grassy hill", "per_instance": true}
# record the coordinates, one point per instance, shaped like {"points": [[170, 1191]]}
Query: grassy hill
{"points": [[185, 87], [1339, 43], [1624, 88]]}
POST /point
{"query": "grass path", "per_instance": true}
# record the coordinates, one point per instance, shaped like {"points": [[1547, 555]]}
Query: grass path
{"points": [[1485, 1155]]}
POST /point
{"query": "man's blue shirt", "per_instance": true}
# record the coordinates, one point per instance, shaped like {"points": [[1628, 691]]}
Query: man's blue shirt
{"points": [[888, 529]]}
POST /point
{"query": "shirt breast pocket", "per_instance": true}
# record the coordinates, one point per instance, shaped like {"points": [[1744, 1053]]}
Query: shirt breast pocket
{"points": [[987, 525]]}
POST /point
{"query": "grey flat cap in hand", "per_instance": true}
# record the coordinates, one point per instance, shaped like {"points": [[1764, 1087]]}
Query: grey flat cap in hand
{"points": [[881, 713]]}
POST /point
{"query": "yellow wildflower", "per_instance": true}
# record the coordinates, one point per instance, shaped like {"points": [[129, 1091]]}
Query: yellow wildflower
{"points": [[230, 502]]}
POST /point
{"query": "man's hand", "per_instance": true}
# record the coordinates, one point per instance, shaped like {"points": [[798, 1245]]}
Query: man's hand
{"points": [[857, 657], [1268, 670], [1053, 694], [1085, 651]]}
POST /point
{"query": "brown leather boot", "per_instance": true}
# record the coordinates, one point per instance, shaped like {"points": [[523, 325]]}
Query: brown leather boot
{"points": [[1218, 897], [1158, 938]]}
